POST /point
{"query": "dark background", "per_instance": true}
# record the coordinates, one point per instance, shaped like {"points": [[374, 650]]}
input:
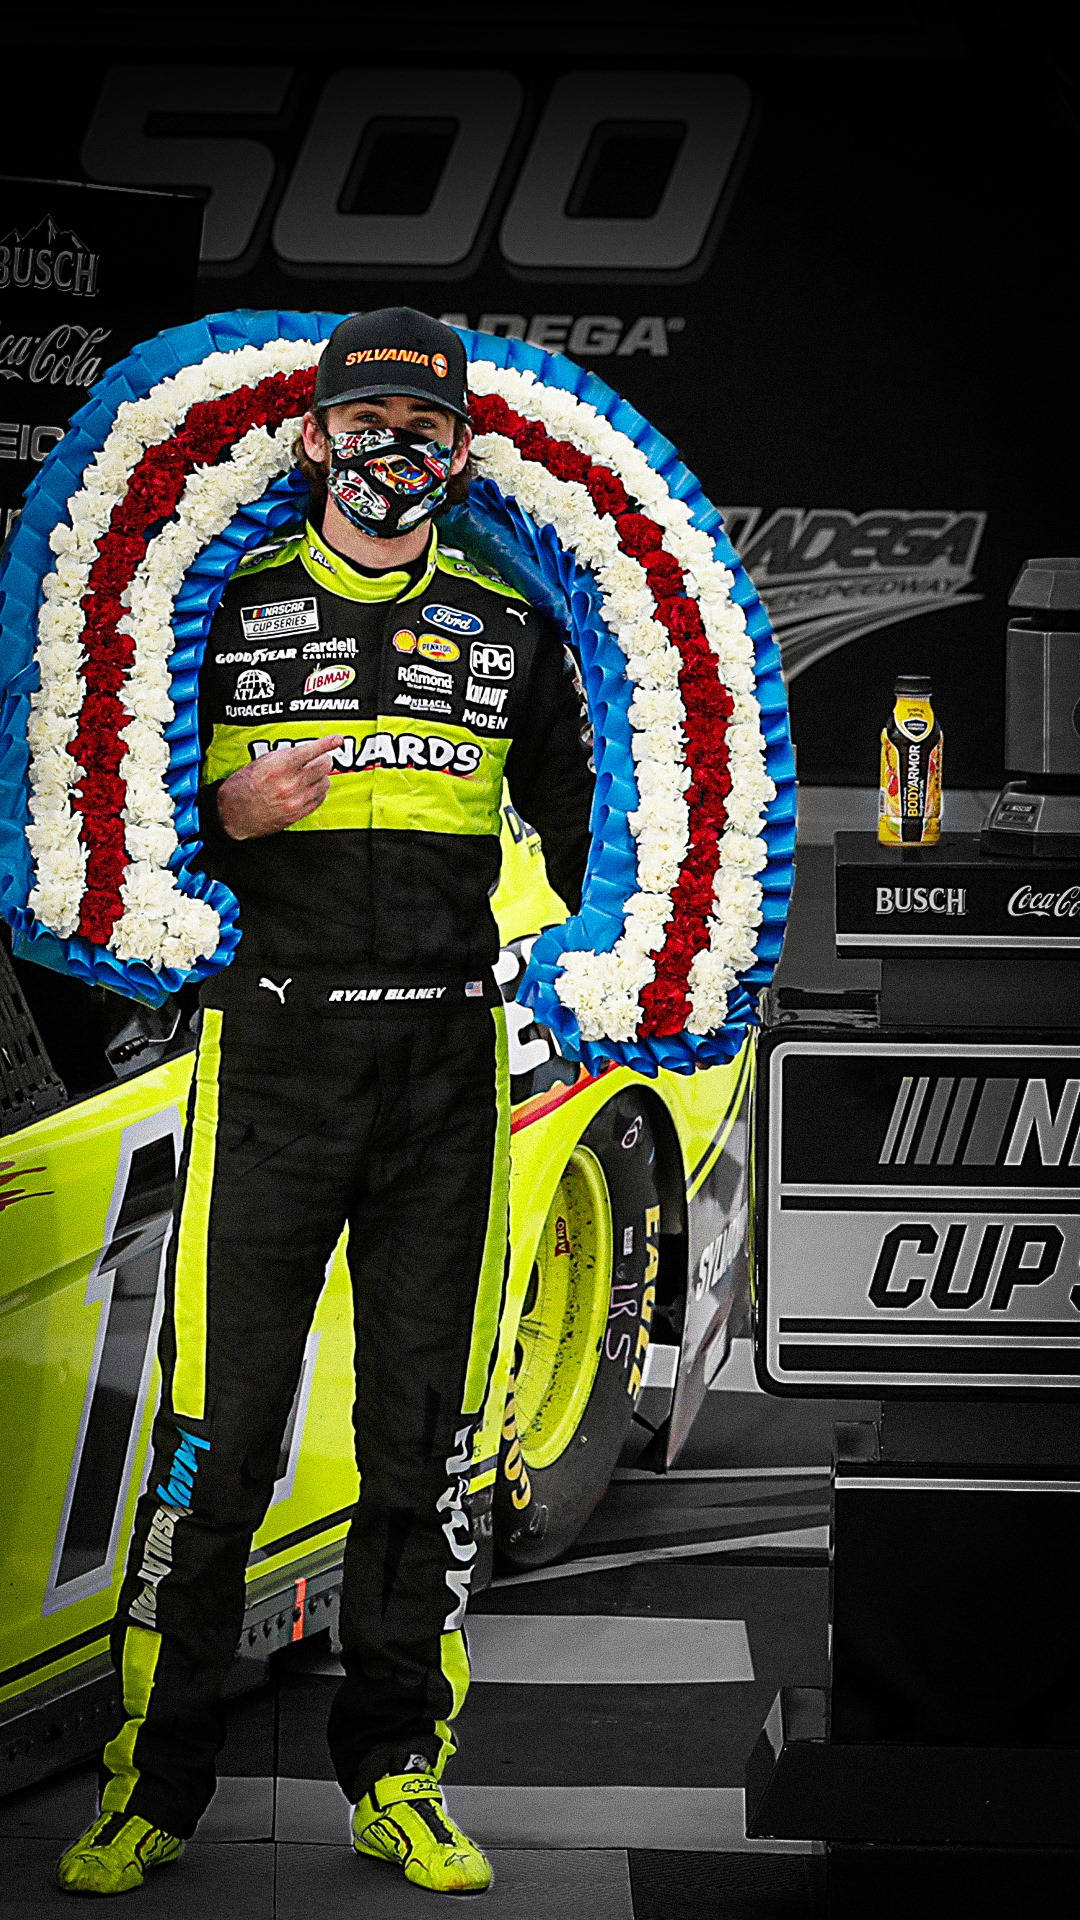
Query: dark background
{"points": [[875, 320]]}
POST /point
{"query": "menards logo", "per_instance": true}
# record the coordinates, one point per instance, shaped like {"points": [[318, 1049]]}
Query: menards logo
{"points": [[829, 575], [944, 1120]]}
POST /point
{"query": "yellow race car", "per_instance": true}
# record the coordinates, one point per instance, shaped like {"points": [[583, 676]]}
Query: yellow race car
{"points": [[628, 1226]]}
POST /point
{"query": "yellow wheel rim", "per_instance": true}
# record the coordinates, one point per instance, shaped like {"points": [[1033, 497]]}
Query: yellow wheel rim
{"points": [[564, 1319]]}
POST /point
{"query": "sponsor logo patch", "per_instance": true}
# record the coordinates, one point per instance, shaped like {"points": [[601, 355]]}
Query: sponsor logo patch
{"points": [[491, 661], [439, 366], [431, 753], [416, 674], [280, 617], [254, 684], [334, 649], [434, 647], [329, 679], [404, 641], [256, 710], [255, 656], [452, 619], [422, 703]]}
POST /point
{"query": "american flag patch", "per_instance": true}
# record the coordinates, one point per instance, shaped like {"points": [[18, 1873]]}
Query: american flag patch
{"points": [[474, 989]]}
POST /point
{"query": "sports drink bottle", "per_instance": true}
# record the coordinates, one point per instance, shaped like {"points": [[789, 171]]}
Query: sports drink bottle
{"points": [[909, 801]]}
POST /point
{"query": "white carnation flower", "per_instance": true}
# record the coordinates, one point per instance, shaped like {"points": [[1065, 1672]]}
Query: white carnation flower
{"points": [[746, 852]]}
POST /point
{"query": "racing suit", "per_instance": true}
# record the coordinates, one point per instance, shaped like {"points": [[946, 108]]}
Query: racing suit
{"points": [[351, 1071]]}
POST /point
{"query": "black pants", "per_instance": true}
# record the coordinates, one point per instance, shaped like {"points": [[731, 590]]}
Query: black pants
{"points": [[393, 1118]]}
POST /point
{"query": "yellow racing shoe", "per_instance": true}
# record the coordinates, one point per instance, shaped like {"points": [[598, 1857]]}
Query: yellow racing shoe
{"points": [[113, 1854], [403, 1820]]}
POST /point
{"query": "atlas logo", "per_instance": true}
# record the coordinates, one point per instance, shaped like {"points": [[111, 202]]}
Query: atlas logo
{"points": [[830, 576], [942, 1120], [491, 661], [452, 619], [254, 684]]}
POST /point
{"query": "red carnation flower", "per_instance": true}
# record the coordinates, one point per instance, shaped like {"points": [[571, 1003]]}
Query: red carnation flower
{"points": [[638, 534], [607, 491], [99, 913], [566, 462], [489, 413], [531, 441], [665, 1007], [664, 573], [681, 616], [100, 791]]}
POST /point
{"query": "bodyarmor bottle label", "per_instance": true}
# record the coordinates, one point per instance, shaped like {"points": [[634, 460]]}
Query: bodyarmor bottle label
{"points": [[909, 801]]}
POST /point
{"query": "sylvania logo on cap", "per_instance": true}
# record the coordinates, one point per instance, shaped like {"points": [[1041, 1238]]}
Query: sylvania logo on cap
{"points": [[439, 366]]}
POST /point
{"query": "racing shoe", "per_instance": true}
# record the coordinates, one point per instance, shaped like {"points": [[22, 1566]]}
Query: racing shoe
{"points": [[404, 1820], [113, 1854]]}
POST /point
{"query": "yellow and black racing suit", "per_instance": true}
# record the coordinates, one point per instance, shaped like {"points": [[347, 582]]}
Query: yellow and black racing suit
{"points": [[351, 1071]]}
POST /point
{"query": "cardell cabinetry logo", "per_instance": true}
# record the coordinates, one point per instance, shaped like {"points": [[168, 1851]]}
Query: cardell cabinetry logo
{"points": [[829, 576]]}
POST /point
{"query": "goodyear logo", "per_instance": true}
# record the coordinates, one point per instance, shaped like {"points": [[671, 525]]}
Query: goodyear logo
{"points": [[434, 647], [452, 619]]}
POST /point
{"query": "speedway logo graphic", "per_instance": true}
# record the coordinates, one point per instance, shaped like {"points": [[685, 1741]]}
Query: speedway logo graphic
{"points": [[1002, 1119], [829, 576]]}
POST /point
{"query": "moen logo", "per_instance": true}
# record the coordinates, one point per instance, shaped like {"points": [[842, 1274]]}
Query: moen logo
{"points": [[942, 1120], [829, 576]]}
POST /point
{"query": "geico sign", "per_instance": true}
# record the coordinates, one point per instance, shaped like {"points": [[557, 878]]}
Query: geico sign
{"points": [[536, 232]]}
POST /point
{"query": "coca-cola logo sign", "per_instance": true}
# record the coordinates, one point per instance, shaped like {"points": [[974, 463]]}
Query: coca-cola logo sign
{"points": [[1063, 905], [66, 356]]}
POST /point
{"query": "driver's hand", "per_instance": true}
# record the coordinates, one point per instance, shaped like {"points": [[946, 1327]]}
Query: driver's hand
{"points": [[277, 789]]}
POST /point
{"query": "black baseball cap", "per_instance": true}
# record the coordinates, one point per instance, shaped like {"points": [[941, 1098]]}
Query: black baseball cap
{"points": [[393, 350]]}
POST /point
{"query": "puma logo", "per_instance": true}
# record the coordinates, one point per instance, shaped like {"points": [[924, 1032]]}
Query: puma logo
{"points": [[519, 613], [274, 988]]}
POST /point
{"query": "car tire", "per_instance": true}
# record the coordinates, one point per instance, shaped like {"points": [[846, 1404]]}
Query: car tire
{"points": [[582, 1338]]}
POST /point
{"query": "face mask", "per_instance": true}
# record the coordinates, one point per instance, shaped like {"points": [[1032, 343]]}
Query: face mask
{"points": [[386, 480]]}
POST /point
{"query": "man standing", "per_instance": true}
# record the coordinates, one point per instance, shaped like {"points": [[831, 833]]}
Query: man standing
{"points": [[363, 697]]}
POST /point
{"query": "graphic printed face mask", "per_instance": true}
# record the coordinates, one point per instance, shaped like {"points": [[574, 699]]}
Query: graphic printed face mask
{"points": [[385, 479]]}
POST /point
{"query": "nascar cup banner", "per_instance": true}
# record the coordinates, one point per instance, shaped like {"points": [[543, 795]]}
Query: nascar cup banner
{"points": [[932, 1189], [180, 464], [85, 272]]}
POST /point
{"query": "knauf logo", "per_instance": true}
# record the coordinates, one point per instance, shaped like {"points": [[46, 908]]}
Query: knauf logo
{"points": [[184, 1468]]}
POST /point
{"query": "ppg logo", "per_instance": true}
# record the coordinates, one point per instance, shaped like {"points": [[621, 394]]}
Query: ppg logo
{"points": [[490, 661], [452, 619]]}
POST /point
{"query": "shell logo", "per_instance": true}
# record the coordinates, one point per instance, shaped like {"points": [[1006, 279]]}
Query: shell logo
{"points": [[434, 647], [403, 640], [329, 679]]}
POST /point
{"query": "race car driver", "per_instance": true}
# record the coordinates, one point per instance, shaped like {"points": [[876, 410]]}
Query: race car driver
{"points": [[364, 694]]}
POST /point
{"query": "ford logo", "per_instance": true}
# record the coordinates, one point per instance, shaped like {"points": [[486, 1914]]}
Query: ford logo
{"points": [[452, 620]]}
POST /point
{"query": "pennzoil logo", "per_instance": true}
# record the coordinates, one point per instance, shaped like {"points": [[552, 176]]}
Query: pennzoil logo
{"points": [[829, 576], [434, 646]]}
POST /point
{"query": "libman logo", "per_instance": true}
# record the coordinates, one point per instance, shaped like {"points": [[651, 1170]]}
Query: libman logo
{"points": [[157, 1560], [430, 752], [829, 575], [329, 679], [967, 1120]]}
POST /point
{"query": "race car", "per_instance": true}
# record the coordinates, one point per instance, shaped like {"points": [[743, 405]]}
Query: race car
{"points": [[628, 1239]]}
